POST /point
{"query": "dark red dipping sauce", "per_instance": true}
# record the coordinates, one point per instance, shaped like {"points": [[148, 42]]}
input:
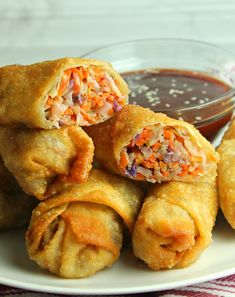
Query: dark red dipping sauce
{"points": [[182, 94]]}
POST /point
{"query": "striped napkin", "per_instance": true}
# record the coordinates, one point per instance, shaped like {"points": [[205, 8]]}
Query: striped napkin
{"points": [[223, 287]]}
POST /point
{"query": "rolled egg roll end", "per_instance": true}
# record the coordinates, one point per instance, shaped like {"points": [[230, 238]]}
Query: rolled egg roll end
{"points": [[168, 232]]}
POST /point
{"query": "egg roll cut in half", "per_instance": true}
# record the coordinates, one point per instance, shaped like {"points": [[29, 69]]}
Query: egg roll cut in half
{"points": [[175, 224], [67, 91], [79, 229], [148, 146], [37, 157], [15, 206], [226, 175]]}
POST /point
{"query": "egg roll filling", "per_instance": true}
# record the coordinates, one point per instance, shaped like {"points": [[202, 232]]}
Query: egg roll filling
{"points": [[158, 154], [83, 96]]}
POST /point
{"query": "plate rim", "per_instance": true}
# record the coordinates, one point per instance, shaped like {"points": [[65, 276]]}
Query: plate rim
{"points": [[116, 291]]}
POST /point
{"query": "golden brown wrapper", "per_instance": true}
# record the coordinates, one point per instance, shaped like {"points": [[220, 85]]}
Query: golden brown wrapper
{"points": [[24, 89], [37, 157], [226, 174], [15, 206], [79, 229], [175, 224], [111, 136]]}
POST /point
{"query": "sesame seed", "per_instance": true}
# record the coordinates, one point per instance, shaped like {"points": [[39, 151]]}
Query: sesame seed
{"points": [[167, 105], [193, 98], [203, 92], [173, 85], [186, 102], [205, 84], [198, 118], [201, 101], [189, 89], [180, 118], [173, 91], [185, 85]]}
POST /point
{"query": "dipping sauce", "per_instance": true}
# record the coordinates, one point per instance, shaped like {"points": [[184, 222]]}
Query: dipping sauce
{"points": [[182, 94]]}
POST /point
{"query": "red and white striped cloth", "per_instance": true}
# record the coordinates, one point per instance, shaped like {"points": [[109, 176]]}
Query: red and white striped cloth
{"points": [[223, 287]]}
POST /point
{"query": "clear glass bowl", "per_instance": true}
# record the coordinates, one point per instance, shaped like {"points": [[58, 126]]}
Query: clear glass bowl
{"points": [[182, 55]]}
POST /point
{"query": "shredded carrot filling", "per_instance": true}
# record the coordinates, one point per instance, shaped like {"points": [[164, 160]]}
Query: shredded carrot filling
{"points": [[159, 154], [84, 96]]}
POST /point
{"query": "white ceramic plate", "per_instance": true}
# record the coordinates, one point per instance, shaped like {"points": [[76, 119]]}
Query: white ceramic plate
{"points": [[128, 275]]}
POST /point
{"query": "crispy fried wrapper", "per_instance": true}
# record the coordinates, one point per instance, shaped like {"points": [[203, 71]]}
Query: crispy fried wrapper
{"points": [[143, 145], [67, 91], [226, 174], [79, 229], [37, 157], [175, 224], [15, 206]]}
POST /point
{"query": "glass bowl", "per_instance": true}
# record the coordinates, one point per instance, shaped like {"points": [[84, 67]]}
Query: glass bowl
{"points": [[190, 56]]}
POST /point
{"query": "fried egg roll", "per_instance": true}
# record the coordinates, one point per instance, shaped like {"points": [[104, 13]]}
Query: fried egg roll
{"points": [[226, 175], [68, 91], [36, 157], [147, 146], [79, 229], [175, 224], [15, 206]]}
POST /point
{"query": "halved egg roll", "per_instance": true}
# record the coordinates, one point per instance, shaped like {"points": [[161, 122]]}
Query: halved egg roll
{"points": [[226, 175], [79, 229], [15, 206], [143, 145], [36, 157], [68, 91], [175, 224]]}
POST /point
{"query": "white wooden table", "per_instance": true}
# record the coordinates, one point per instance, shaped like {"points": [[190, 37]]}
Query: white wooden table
{"points": [[34, 30]]}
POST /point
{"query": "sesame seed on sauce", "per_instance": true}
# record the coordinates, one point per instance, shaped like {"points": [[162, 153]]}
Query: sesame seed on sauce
{"points": [[169, 90]]}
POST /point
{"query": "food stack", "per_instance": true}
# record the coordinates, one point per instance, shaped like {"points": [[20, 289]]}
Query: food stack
{"points": [[154, 176]]}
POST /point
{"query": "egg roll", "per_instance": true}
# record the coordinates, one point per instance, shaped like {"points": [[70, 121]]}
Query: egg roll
{"points": [[175, 224], [37, 157], [63, 92], [15, 206], [147, 146], [226, 174], [78, 230]]}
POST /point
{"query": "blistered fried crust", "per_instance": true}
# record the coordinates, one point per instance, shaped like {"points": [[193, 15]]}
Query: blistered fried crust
{"points": [[15, 206], [113, 135], [24, 89], [78, 230], [175, 224], [37, 157], [226, 174]]}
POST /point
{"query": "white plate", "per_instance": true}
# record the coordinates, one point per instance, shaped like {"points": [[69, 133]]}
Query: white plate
{"points": [[128, 275]]}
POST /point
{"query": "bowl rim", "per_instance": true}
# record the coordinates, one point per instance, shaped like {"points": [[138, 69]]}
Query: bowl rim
{"points": [[229, 94], [167, 39]]}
